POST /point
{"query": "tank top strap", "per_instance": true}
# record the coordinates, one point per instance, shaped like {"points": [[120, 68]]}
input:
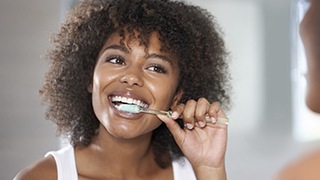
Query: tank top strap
{"points": [[65, 162]]}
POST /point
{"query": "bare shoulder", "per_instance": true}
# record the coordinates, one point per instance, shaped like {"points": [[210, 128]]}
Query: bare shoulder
{"points": [[305, 167], [45, 168]]}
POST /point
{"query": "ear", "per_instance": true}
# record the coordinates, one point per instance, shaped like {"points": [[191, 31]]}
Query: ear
{"points": [[89, 88], [176, 98]]}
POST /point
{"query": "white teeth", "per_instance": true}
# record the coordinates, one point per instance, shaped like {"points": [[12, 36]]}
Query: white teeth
{"points": [[128, 101]]}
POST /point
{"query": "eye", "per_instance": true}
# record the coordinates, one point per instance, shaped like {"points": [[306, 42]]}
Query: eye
{"points": [[115, 60], [157, 68]]}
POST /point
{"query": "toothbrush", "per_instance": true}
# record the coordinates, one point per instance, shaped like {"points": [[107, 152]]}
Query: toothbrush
{"points": [[132, 108]]}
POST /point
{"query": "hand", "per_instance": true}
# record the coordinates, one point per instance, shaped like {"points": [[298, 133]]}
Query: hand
{"points": [[203, 143]]}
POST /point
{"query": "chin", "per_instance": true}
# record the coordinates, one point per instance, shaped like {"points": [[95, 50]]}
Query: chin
{"points": [[125, 132]]}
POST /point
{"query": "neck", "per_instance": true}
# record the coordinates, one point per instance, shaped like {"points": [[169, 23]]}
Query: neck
{"points": [[121, 157], [114, 148]]}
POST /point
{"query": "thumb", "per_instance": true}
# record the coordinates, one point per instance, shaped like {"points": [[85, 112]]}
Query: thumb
{"points": [[177, 132]]}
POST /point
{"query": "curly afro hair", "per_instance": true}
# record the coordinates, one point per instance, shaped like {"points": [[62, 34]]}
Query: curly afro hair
{"points": [[187, 31]]}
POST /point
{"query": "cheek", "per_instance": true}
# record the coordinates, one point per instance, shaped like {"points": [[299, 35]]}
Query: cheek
{"points": [[96, 87], [101, 80], [164, 91], [97, 102]]}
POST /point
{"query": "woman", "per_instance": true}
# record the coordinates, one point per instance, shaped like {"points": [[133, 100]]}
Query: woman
{"points": [[307, 165], [156, 54], [309, 31]]}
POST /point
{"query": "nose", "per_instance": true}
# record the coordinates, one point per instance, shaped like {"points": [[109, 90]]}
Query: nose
{"points": [[132, 78]]}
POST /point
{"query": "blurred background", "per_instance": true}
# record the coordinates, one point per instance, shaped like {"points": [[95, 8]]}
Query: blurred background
{"points": [[270, 125]]}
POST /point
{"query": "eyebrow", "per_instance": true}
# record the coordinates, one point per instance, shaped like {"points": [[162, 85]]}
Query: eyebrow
{"points": [[161, 57], [117, 47]]}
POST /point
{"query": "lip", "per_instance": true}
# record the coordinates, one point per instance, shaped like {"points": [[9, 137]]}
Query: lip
{"points": [[127, 94]]}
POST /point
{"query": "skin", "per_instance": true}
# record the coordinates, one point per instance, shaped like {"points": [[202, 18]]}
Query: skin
{"points": [[122, 145], [307, 166], [207, 158], [132, 74], [309, 31]]}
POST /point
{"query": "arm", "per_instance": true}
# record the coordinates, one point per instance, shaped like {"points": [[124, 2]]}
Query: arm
{"points": [[310, 35], [305, 167], [43, 169], [211, 173]]}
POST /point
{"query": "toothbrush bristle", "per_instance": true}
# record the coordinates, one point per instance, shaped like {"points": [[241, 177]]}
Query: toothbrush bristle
{"points": [[130, 108]]}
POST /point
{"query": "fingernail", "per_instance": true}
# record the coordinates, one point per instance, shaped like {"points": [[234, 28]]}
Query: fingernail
{"points": [[213, 119], [174, 115], [189, 125], [201, 124]]}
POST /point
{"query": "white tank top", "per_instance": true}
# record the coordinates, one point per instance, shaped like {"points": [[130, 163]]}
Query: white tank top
{"points": [[67, 170]]}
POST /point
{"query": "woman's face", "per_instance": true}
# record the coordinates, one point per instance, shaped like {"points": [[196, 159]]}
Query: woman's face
{"points": [[131, 73]]}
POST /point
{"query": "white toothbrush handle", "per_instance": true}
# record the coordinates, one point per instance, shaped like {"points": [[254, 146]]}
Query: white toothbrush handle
{"points": [[153, 111], [222, 120]]}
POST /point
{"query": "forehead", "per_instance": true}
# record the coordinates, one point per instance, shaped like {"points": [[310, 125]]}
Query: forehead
{"points": [[150, 42]]}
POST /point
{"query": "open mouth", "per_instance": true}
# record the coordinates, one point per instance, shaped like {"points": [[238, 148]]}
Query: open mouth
{"points": [[118, 100]]}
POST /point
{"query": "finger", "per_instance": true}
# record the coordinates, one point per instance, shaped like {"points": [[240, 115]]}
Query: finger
{"points": [[201, 111], [216, 113], [176, 131], [213, 111], [188, 114], [176, 111]]}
